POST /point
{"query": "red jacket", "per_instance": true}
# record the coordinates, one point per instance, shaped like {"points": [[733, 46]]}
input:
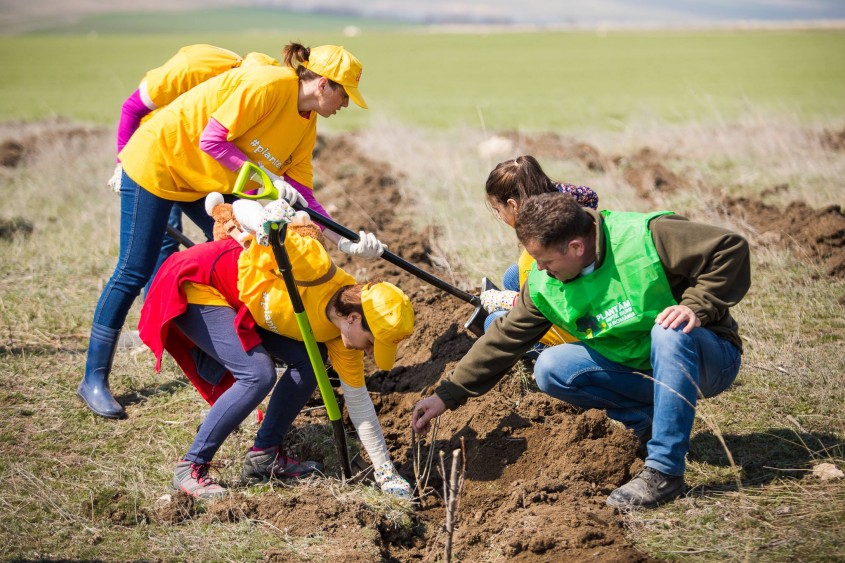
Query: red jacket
{"points": [[214, 264]]}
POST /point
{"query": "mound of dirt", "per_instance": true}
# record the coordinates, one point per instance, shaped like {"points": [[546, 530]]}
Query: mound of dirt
{"points": [[815, 235], [537, 470], [646, 172], [43, 137], [552, 145], [833, 140]]}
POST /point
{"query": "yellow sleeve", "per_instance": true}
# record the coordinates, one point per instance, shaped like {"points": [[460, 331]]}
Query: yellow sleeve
{"points": [[524, 264], [349, 364], [309, 259]]}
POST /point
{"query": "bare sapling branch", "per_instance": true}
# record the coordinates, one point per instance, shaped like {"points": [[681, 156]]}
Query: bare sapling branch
{"points": [[422, 467], [451, 494]]}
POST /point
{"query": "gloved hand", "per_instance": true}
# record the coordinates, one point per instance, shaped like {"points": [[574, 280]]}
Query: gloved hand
{"points": [[286, 191], [391, 482], [497, 300], [275, 213], [368, 247], [114, 181]]}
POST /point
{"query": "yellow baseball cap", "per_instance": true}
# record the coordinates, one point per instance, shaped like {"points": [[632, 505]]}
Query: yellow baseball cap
{"points": [[337, 64], [390, 317]]}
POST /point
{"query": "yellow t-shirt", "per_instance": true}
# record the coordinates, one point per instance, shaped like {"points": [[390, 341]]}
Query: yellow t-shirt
{"points": [[191, 66], [556, 335], [258, 59], [258, 106], [262, 289], [199, 294]]}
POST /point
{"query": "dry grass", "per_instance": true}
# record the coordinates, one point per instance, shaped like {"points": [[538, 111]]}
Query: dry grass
{"points": [[75, 486]]}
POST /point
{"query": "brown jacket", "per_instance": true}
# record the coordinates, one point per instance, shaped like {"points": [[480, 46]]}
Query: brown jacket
{"points": [[708, 269]]}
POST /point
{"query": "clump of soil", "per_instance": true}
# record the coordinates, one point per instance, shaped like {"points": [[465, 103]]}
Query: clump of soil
{"points": [[14, 227], [646, 172], [833, 140], [552, 145], [11, 153], [178, 508], [306, 512], [816, 235]]}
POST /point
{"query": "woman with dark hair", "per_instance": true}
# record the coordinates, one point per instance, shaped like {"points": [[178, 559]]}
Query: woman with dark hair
{"points": [[509, 184]]}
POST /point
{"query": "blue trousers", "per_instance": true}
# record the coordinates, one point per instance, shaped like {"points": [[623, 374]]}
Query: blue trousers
{"points": [[662, 399], [170, 244], [219, 350], [143, 221]]}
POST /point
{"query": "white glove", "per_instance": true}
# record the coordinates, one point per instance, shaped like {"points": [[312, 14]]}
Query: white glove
{"points": [[212, 200], [494, 300], [368, 247], [249, 214], [391, 482], [276, 213], [286, 191], [114, 181]]}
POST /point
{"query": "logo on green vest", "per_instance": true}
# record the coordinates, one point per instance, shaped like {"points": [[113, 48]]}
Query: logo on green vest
{"points": [[615, 315], [589, 326]]}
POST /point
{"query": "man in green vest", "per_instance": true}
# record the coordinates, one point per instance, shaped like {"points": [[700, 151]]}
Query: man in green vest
{"points": [[648, 296]]}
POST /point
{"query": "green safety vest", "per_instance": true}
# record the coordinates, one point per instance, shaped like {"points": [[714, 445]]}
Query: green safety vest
{"points": [[612, 309]]}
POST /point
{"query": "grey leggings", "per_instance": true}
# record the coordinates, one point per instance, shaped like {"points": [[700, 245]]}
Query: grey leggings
{"points": [[219, 350]]}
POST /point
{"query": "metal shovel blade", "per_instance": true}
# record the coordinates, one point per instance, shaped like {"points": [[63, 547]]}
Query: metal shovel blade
{"points": [[475, 323]]}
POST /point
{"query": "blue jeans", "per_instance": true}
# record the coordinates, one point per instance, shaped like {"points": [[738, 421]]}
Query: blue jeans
{"points": [[143, 220], [170, 244], [662, 399], [219, 350], [510, 279]]}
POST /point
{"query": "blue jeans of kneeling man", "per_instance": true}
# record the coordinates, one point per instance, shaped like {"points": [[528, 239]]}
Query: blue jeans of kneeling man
{"points": [[661, 399]]}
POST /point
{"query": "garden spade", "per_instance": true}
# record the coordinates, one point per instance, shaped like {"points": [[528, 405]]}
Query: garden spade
{"points": [[267, 190], [277, 237]]}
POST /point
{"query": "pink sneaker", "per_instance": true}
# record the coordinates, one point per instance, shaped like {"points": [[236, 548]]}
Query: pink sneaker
{"points": [[193, 479], [273, 463]]}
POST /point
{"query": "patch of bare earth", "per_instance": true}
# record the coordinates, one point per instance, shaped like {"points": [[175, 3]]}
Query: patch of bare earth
{"points": [[815, 235]]}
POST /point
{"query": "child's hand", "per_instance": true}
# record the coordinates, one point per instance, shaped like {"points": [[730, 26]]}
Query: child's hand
{"points": [[275, 213], [494, 300]]}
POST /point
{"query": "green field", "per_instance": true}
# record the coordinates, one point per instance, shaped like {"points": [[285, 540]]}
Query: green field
{"points": [[527, 81], [735, 114]]}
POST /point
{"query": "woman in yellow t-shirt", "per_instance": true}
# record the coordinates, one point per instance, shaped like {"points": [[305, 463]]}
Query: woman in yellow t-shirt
{"points": [[190, 66], [224, 314], [195, 145], [509, 184]]}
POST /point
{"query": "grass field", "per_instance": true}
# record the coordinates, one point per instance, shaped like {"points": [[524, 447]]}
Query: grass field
{"points": [[544, 81], [739, 113]]}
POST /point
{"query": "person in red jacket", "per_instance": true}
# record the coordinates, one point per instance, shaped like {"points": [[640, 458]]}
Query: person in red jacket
{"points": [[224, 315]]}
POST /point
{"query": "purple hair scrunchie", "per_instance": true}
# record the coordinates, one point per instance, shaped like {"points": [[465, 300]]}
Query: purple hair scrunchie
{"points": [[585, 196]]}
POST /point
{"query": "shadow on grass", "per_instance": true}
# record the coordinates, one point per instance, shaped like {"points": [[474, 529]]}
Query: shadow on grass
{"points": [[776, 453], [141, 395]]}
